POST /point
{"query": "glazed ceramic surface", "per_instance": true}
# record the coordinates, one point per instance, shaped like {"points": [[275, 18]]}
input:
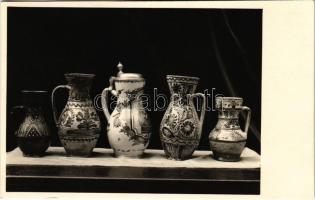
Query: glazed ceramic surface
{"points": [[33, 134], [78, 124], [129, 127], [227, 140], [180, 129]]}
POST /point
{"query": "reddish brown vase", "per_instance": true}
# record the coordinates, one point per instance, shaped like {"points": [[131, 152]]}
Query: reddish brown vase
{"points": [[78, 124], [227, 140]]}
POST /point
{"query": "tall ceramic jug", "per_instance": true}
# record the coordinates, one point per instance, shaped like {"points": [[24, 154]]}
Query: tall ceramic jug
{"points": [[33, 134], [180, 129], [78, 124], [227, 140], [129, 127]]}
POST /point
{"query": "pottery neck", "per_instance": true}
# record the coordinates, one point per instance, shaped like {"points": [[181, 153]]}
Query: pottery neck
{"points": [[228, 119], [33, 110], [181, 87], [80, 86], [129, 90], [228, 109], [228, 114], [34, 98], [33, 102]]}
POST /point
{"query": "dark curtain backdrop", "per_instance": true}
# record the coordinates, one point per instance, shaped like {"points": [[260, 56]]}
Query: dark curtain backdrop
{"points": [[222, 47]]}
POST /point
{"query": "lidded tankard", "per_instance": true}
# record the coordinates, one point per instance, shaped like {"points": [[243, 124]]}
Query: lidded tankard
{"points": [[129, 127]]}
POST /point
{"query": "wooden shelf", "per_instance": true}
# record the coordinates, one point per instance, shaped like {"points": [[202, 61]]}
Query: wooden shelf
{"points": [[153, 173]]}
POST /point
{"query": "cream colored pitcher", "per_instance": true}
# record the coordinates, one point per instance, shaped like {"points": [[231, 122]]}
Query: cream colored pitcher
{"points": [[129, 127]]}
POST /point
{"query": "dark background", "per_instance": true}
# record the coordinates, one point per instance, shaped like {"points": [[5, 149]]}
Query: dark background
{"points": [[222, 47]]}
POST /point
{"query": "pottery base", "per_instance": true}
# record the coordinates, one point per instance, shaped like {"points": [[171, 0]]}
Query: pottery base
{"points": [[79, 147], [227, 151], [36, 155], [178, 152], [226, 157], [33, 146], [128, 154]]}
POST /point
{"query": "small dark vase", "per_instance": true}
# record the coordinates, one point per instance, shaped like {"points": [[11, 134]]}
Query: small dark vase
{"points": [[33, 135]]}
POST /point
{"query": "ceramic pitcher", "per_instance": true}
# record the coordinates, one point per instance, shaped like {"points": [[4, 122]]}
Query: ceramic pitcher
{"points": [[180, 129], [227, 140], [129, 127], [78, 124], [33, 134]]}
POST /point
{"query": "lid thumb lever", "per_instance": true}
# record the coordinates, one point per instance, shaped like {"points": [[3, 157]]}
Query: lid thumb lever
{"points": [[120, 67]]}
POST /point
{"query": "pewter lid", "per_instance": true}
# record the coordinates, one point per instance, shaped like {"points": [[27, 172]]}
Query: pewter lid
{"points": [[127, 76]]}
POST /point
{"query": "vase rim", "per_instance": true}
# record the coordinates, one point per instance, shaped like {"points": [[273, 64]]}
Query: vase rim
{"points": [[34, 91], [180, 76], [230, 98], [79, 75]]}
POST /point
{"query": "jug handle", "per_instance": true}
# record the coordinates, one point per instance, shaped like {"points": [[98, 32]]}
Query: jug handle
{"points": [[104, 102], [203, 107], [53, 100], [105, 97], [248, 117]]}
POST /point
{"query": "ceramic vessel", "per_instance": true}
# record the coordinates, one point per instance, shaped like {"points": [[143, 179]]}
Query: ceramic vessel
{"points": [[33, 134], [78, 124], [180, 129], [128, 127], [227, 140]]}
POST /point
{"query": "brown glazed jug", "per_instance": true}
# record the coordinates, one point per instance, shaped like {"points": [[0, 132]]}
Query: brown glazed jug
{"points": [[180, 129], [33, 134], [227, 140], [78, 124]]}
